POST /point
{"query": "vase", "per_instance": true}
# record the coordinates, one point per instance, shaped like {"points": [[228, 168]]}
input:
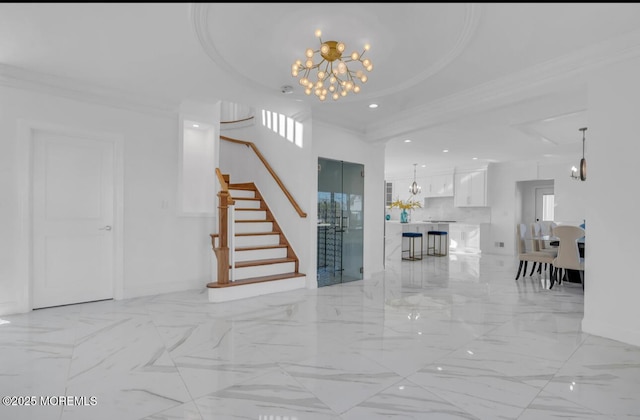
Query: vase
{"points": [[404, 216]]}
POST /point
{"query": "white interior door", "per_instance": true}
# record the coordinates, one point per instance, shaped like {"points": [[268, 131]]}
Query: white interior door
{"points": [[73, 213]]}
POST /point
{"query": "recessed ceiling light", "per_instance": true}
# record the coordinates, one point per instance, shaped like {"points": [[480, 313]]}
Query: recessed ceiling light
{"points": [[423, 166], [373, 106], [196, 125], [445, 151], [407, 141], [474, 158]]}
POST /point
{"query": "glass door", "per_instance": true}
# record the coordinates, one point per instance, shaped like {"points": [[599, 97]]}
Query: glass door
{"points": [[340, 221]]}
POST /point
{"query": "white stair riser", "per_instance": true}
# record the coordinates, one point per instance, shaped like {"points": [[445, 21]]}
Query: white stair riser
{"points": [[225, 294], [247, 204], [241, 193], [263, 270], [251, 215], [261, 254], [254, 227], [257, 240]]}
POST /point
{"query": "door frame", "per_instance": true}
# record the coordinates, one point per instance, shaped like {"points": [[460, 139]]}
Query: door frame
{"points": [[25, 147]]}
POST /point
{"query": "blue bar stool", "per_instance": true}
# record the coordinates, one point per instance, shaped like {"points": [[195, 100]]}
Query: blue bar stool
{"points": [[438, 251], [412, 245]]}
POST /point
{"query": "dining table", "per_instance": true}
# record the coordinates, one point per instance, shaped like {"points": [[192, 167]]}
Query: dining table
{"points": [[554, 242]]}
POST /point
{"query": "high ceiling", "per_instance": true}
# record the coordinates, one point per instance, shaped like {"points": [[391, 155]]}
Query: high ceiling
{"points": [[491, 81]]}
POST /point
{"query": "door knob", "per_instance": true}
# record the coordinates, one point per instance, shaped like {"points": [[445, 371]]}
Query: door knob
{"points": [[105, 228]]}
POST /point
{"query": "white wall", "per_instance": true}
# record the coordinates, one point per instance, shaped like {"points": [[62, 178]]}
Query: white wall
{"points": [[612, 286], [162, 252]]}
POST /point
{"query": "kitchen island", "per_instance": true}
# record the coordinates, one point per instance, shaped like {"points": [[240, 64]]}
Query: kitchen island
{"points": [[394, 243]]}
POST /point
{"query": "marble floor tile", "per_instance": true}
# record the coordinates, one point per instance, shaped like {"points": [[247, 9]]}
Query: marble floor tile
{"points": [[442, 338]]}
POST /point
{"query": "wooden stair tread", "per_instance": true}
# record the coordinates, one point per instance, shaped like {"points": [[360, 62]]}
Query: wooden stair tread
{"points": [[258, 233], [261, 279], [252, 221], [249, 209], [259, 247], [268, 261], [246, 198], [240, 186]]}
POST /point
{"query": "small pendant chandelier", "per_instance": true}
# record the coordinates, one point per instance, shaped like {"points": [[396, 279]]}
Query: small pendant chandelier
{"points": [[582, 175], [583, 161], [414, 188]]}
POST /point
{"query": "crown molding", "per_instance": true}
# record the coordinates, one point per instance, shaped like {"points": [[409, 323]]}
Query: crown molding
{"points": [[514, 87], [20, 78]]}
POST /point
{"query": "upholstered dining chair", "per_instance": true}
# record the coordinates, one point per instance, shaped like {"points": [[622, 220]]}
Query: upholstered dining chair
{"points": [[568, 251], [539, 244], [533, 256]]}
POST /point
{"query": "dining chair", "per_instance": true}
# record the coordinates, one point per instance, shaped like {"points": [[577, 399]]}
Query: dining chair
{"points": [[539, 245], [568, 250], [525, 256]]}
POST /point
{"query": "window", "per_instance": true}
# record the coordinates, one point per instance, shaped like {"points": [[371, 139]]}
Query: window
{"points": [[286, 127], [388, 193]]}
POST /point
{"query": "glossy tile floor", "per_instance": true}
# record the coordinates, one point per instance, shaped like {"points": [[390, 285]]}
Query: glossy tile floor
{"points": [[443, 338]]}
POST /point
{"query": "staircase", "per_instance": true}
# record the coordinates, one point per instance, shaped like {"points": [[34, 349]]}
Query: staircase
{"points": [[263, 261]]}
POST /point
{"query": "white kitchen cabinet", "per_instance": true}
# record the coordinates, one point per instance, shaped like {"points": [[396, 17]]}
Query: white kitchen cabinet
{"points": [[465, 238], [470, 189], [439, 185]]}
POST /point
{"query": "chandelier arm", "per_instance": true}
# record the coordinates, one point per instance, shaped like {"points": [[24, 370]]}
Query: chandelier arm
{"points": [[326, 67]]}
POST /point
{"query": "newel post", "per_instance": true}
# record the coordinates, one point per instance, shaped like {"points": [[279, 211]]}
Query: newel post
{"points": [[222, 251]]}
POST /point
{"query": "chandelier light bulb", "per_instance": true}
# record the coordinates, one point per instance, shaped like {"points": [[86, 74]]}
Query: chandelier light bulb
{"points": [[329, 63]]}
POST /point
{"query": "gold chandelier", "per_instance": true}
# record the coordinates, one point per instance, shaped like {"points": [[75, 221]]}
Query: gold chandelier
{"points": [[331, 68]]}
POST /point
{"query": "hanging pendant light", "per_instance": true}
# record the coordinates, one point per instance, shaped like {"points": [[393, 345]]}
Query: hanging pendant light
{"points": [[414, 188], [583, 161]]}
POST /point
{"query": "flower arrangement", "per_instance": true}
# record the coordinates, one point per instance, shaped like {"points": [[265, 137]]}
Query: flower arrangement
{"points": [[406, 204]]}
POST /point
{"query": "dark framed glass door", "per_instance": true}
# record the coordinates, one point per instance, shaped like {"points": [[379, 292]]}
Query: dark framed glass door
{"points": [[340, 221]]}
